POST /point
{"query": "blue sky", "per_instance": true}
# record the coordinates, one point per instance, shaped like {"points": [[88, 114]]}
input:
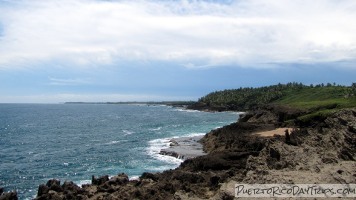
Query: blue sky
{"points": [[95, 50]]}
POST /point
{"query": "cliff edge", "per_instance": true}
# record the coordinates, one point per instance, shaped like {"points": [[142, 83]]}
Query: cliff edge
{"points": [[321, 151]]}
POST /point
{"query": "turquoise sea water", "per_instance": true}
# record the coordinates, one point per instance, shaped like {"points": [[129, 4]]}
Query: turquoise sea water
{"points": [[74, 141]]}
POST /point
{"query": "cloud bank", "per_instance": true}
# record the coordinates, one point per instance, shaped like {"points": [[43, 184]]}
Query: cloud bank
{"points": [[86, 33]]}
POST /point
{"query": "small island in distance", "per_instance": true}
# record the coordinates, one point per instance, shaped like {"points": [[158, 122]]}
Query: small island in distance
{"points": [[318, 143]]}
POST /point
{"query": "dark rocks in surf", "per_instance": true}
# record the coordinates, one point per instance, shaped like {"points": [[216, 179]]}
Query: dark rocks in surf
{"points": [[8, 195], [100, 180], [235, 155], [167, 152], [51, 185], [173, 143], [119, 179], [53, 190], [184, 148]]}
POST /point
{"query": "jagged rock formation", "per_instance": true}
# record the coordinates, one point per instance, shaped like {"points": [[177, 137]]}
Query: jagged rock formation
{"points": [[272, 114], [322, 153], [7, 195]]}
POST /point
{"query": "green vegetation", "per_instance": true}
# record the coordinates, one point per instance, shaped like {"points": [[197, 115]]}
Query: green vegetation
{"points": [[315, 116], [320, 98], [296, 95]]}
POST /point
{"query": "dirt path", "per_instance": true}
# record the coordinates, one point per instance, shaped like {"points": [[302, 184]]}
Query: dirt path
{"points": [[278, 131]]}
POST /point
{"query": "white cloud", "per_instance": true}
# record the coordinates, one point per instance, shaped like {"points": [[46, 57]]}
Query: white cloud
{"points": [[66, 82], [191, 33]]}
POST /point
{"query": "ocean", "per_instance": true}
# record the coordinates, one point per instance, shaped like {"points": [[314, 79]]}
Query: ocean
{"points": [[39, 142]]}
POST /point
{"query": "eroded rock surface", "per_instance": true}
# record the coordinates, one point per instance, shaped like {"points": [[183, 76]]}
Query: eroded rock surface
{"points": [[322, 153]]}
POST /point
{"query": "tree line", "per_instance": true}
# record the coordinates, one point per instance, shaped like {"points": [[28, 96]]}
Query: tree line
{"points": [[248, 97]]}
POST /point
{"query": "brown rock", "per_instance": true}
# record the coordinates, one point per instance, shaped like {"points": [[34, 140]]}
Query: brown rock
{"points": [[119, 179], [99, 181], [9, 196]]}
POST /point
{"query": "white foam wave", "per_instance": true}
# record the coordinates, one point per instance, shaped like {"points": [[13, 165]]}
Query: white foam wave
{"points": [[134, 178], [127, 132], [82, 182], [186, 110], [155, 147], [193, 134], [112, 142], [162, 105], [156, 129], [237, 113]]}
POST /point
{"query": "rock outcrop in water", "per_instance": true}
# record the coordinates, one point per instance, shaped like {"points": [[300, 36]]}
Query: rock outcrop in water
{"points": [[322, 153], [184, 148]]}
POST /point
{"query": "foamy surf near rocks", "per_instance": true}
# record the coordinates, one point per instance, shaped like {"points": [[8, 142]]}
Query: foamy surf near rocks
{"points": [[322, 153], [184, 148]]}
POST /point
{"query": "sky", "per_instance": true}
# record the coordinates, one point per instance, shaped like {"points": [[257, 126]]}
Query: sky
{"points": [[154, 50]]}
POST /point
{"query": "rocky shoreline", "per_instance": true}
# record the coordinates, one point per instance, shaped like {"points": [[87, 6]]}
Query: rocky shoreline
{"points": [[321, 151], [184, 148]]}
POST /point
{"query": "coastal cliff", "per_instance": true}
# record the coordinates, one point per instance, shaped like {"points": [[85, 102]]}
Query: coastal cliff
{"points": [[290, 134], [323, 151]]}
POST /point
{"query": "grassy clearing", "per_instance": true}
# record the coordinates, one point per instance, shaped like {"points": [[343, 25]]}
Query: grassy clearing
{"points": [[319, 98], [316, 116], [319, 102]]}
